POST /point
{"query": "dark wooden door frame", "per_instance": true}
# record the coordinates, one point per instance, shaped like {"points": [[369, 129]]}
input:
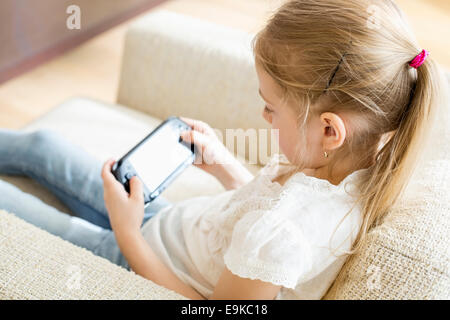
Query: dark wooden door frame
{"points": [[72, 41]]}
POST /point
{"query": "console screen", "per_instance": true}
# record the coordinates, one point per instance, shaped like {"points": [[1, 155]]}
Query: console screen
{"points": [[159, 156]]}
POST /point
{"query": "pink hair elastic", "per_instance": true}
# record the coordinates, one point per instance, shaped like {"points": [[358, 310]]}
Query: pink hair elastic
{"points": [[419, 59]]}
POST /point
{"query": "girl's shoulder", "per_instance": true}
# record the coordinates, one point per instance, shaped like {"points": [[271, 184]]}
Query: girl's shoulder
{"points": [[284, 231]]}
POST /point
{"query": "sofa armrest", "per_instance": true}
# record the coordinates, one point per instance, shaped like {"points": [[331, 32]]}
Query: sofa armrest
{"points": [[179, 65], [35, 264]]}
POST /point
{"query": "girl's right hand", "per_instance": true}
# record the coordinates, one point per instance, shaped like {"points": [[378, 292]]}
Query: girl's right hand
{"points": [[213, 157], [211, 151]]}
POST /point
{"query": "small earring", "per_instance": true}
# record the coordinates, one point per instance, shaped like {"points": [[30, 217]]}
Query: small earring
{"points": [[325, 154]]}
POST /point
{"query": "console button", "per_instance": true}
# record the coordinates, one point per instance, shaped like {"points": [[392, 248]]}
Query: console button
{"points": [[129, 175]]}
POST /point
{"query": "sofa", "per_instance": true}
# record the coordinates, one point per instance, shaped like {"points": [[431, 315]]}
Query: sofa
{"points": [[175, 65]]}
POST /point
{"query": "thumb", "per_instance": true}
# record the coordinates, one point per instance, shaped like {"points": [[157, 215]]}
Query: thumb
{"points": [[136, 189]]}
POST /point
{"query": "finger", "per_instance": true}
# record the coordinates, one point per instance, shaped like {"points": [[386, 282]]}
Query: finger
{"points": [[198, 125], [136, 189], [106, 169], [109, 181], [195, 137], [189, 121], [186, 136], [201, 142]]}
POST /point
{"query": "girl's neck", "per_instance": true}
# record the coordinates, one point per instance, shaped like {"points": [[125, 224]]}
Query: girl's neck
{"points": [[322, 173], [340, 172]]}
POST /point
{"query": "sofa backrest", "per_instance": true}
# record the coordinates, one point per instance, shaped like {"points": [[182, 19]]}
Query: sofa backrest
{"points": [[178, 65]]}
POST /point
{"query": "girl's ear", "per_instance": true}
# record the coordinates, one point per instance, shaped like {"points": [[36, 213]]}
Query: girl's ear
{"points": [[333, 131]]}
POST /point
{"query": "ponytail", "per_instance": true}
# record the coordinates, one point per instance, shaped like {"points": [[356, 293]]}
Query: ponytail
{"points": [[398, 158]]}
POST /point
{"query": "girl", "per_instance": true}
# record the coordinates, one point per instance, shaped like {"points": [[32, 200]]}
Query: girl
{"points": [[352, 96]]}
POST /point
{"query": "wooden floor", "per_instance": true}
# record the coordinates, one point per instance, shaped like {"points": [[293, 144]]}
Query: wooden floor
{"points": [[92, 69]]}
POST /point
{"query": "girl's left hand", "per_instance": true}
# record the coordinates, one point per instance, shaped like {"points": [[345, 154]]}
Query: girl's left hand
{"points": [[126, 211]]}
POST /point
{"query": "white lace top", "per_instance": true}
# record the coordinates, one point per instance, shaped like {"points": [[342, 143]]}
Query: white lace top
{"points": [[278, 234]]}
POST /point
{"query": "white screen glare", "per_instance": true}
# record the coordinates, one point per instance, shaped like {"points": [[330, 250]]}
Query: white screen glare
{"points": [[159, 156]]}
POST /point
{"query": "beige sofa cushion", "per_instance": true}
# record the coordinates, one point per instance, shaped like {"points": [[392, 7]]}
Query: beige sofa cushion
{"points": [[107, 130], [35, 264]]}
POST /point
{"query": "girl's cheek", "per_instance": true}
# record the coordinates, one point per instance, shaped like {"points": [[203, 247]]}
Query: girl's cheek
{"points": [[284, 143], [282, 140], [287, 139]]}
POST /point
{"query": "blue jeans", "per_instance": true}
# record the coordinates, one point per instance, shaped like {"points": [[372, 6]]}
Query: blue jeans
{"points": [[74, 177]]}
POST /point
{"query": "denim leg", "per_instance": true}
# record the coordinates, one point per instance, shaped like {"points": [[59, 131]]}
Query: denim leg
{"points": [[67, 170], [78, 231]]}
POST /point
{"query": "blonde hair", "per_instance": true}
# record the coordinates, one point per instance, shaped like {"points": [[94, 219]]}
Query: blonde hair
{"points": [[336, 56]]}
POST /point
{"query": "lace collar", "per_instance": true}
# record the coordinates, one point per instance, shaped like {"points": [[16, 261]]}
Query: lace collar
{"points": [[279, 165]]}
